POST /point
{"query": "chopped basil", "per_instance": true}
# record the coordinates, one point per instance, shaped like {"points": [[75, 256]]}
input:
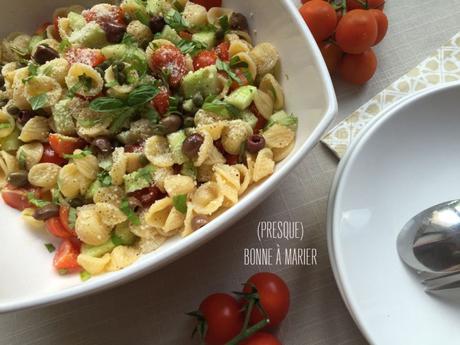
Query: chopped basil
{"points": [[220, 107], [5, 125], [235, 62], [84, 82], [84, 153], [224, 24], [72, 217], [104, 178], [174, 19], [142, 17], [64, 45], [180, 203], [225, 67], [129, 40], [142, 94], [50, 247], [33, 72], [35, 201], [106, 104], [38, 102], [127, 210], [63, 271], [85, 275], [22, 159], [117, 240], [190, 47]]}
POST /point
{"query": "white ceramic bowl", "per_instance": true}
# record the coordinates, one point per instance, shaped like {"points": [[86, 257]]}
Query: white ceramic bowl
{"points": [[405, 162], [28, 277]]}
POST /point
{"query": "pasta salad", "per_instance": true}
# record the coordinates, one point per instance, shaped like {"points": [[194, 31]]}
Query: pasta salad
{"points": [[124, 125]]}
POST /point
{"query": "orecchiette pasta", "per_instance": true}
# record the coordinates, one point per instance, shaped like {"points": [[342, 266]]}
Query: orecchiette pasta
{"points": [[228, 180], [163, 216], [157, 152], [36, 129], [265, 57], [270, 86], [281, 153], [87, 165], [112, 195], [278, 136], [234, 135], [215, 13], [140, 32], [44, 175], [207, 199], [178, 184], [43, 85], [118, 169], [89, 227], [56, 69], [30, 154], [122, 257], [264, 164], [195, 14], [7, 124], [93, 265], [79, 71], [264, 103], [246, 58], [69, 180], [8, 164], [110, 214]]}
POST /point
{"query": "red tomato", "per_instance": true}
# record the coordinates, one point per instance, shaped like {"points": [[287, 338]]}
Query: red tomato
{"points": [[231, 159], [261, 338], [244, 80], [185, 35], [148, 196], [204, 59], [161, 101], [64, 218], [63, 145], [382, 24], [223, 316], [56, 228], [40, 31], [50, 156], [87, 56], [332, 54], [16, 198], [361, 4], [110, 14], [358, 68], [274, 297], [222, 51], [136, 148], [66, 256], [261, 121], [356, 31], [320, 17], [169, 60], [209, 3]]}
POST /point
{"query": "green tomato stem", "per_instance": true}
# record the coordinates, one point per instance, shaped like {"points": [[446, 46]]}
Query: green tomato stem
{"points": [[246, 333]]}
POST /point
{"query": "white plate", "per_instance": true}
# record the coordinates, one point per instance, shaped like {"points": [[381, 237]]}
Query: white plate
{"points": [[406, 161], [28, 279]]}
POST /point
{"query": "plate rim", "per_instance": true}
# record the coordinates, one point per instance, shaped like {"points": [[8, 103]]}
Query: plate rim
{"points": [[335, 194]]}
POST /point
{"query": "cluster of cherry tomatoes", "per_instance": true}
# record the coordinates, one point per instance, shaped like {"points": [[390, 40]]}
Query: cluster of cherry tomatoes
{"points": [[346, 31], [262, 305]]}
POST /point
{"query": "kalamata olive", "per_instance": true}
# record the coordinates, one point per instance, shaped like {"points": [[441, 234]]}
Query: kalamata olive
{"points": [[100, 70], [114, 32], [157, 24], [121, 78], [171, 123], [18, 178], [25, 115], [2, 80], [76, 202], [220, 34], [134, 203], [46, 212], [148, 196], [3, 102], [198, 100], [192, 144], [103, 144], [43, 54], [189, 122], [158, 129], [199, 221], [238, 21], [13, 110], [255, 143]]}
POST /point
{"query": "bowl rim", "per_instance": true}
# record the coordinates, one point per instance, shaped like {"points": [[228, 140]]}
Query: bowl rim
{"points": [[194, 240], [338, 268]]}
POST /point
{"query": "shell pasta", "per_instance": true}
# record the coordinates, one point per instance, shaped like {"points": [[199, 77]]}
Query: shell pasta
{"points": [[122, 126]]}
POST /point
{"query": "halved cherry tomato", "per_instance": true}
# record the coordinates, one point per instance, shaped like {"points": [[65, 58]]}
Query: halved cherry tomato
{"points": [[204, 59], [244, 80], [185, 35], [361, 4], [56, 228], [16, 197], [356, 31], [66, 256], [331, 54], [110, 14], [382, 24], [161, 101], [87, 56], [50, 156], [261, 338], [209, 3], [320, 17], [273, 295], [63, 145], [136, 148], [56, 28], [223, 316], [261, 121], [42, 29], [64, 218], [170, 61], [222, 51], [358, 68]]}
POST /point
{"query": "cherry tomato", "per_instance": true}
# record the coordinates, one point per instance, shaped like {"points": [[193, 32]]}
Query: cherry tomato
{"points": [[136, 148], [332, 55], [261, 121], [63, 145], [40, 31], [161, 101], [244, 80], [320, 17], [361, 4], [64, 218], [261, 338], [356, 31], [87, 56], [170, 61], [274, 297], [185, 35], [204, 59], [358, 68], [56, 228], [148, 196], [50, 156], [222, 51], [16, 197], [111, 14], [209, 3], [223, 316], [382, 24], [66, 256]]}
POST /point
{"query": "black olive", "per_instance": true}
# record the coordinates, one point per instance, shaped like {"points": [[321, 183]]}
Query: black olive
{"points": [[238, 21], [199, 221], [171, 123], [157, 24], [103, 144], [18, 178], [43, 54], [46, 212], [114, 32], [255, 143], [191, 145]]}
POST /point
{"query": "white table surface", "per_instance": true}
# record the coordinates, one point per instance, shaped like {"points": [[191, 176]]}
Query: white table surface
{"points": [[151, 309]]}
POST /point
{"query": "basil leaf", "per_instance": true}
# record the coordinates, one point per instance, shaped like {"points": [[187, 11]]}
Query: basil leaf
{"points": [[22, 160], [221, 108], [36, 202], [117, 240], [120, 119], [64, 45], [106, 104], [104, 178], [224, 24], [126, 209], [235, 62], [142, 94], [72, 217], [38, 102], [5, 125], [82, 154], [50, 247], [180, 203], [175, 20], [225, 67], [191, 47]]}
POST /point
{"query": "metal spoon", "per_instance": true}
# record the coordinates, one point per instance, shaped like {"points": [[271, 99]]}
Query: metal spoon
{"points": [[430, 244]]}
